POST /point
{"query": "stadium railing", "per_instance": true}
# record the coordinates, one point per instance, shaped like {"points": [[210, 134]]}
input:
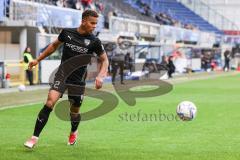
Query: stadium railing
{"points": [[162, 32], [35, 14], [210, 14]]}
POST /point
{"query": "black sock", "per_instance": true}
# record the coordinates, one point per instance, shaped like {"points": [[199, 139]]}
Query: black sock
{"points": [[41, 120], [75, 120]]}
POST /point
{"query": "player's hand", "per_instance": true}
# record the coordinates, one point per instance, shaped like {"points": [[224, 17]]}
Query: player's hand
{"points": [[98, 82], [32, 64]]}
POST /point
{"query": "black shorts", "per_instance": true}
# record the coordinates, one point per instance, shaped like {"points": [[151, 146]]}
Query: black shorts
{"points": [[75, 90]]}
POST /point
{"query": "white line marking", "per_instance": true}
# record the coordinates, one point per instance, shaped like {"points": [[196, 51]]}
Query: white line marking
{"points": [[18, 106]]}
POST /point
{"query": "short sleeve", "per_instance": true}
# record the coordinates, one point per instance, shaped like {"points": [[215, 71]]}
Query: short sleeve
{"points": [[98, 47], [61, 36]]}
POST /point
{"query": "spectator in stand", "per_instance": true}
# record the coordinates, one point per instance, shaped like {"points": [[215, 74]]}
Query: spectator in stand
{"points": [[164, 19], [6, 9], [147, 10], [86, 4], [139, 3], [188, 26], [74, 4], [107, 17], [158, 18], [53, 2], [60, 3], [70, 4], [79, 5], [99, 6], [177, 24]]}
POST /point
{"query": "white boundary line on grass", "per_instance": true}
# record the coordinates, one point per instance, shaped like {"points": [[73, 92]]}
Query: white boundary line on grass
{"points": [[180, 80], [21, 105], [18, 106]]}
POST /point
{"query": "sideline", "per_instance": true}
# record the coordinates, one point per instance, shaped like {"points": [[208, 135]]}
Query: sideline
{"points": [[177, 80], [18, 106]]}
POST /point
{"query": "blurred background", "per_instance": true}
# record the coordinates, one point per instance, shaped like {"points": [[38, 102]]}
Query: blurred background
{"points": [[198, 35]]}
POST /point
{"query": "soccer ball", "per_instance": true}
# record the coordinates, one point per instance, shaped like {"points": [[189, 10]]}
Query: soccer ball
{"points": [[186, 110], [21, 88]]}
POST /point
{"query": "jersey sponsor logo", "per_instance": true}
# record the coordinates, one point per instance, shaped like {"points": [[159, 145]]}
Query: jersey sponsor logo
{"points": [[87, 42], [77, 48]]}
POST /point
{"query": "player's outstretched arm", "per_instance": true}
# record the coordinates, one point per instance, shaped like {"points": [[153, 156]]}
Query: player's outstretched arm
{"points": [[103, 70], [48, 51]]}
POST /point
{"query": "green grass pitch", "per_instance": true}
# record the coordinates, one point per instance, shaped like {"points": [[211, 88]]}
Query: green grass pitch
{"points": [[214, 134]]}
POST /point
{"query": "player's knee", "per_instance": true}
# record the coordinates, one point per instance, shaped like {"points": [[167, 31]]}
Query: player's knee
{"points": [[50, 103], [75, 109], [75, 101]]}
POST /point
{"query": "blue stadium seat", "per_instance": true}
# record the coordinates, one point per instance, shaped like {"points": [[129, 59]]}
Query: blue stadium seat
{"points": [[179, 12]]}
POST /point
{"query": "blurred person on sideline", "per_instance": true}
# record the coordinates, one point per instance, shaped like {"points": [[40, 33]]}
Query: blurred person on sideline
{"points": [[27, 58], [227, 56], [117, 62], [171, 66]]}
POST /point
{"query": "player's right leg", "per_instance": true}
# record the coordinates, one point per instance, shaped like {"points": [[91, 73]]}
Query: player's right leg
{"points": [[42, 118]]}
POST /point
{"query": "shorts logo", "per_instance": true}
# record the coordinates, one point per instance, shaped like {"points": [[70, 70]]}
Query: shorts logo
{"points": [[86, 42]]}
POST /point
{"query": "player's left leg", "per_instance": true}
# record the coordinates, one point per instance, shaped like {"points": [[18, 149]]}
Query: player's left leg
{"points": [[75, 102], [42, 118]]}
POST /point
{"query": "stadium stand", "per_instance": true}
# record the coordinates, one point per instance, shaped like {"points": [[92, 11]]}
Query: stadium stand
{"points": [[157, 27], [177, 12], [230, 10]]}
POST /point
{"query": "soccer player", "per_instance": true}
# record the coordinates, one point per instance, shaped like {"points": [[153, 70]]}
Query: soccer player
{"points": [[76, 41]]}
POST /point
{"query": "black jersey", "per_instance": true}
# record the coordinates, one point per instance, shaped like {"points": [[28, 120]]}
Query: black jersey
{"points": [[76, 44]]}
